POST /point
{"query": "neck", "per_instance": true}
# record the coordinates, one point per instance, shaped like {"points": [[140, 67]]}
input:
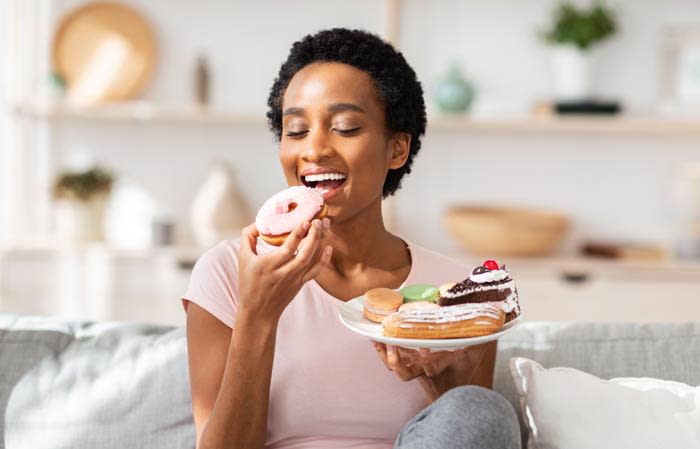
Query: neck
{"points": [[361, 241]]}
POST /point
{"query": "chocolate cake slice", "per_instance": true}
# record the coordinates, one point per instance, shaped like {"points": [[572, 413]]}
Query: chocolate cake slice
{"points": [[487, 283]]}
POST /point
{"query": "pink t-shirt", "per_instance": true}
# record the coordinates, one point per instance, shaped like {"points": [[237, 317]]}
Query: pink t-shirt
{"points": [[329, 387]]}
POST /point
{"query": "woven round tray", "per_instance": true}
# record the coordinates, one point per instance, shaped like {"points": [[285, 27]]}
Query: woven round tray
{"points": [[506, 231], [105, 52]]}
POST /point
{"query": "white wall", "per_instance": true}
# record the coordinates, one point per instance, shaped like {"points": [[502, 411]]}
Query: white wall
{"points": [[3, 126], [612, 185], [246, 41], [498, 43]]}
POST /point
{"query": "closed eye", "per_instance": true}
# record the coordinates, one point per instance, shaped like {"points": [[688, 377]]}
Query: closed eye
{"points": [[295, 133], [347, 131]]}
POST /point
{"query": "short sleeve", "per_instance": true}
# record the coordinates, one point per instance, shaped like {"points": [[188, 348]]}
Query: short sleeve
{"points": [[213, 283]]}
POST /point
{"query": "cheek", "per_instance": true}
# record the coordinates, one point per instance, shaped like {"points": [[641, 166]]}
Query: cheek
{"points": [[288, 163], [374, 166]]}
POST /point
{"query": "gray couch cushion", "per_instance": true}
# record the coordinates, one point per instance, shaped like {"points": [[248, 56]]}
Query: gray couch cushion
{"points": [[606, 350], [93, 385]]}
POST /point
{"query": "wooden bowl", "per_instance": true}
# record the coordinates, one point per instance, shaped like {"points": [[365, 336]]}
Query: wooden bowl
{"points": [[504, 231]]}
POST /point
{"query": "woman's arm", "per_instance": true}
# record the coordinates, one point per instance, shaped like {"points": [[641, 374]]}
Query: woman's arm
{"points": [[230, 379], [231, 371]]}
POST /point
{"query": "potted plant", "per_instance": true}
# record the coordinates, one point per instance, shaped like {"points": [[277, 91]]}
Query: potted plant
{"points": [[81, 198], [574, 33]]}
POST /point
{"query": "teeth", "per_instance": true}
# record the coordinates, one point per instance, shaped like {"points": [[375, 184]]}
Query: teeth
{"points": [[324, 177]]}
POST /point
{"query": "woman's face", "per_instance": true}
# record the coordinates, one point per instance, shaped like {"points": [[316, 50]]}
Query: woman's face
{"points": [[334, 137]]}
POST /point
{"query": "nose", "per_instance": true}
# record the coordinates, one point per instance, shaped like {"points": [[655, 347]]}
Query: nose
{"points": [[318, 147]]}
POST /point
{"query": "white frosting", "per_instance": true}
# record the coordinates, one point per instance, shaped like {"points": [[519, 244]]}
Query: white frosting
{"points": [[377, 311], [449, 314], [444, 287], [419, 305], [510, 284], [489, 276], [511, 303]]}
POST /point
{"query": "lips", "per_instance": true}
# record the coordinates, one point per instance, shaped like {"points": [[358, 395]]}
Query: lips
{"points": [[326, 181]]}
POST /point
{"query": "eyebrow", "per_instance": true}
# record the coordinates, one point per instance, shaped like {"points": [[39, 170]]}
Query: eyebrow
{"points": [[336, 107], [340, 107]]}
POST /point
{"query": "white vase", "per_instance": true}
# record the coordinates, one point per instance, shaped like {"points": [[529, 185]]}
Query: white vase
{"points": [[220, 210], [571, 73], [79, 222]]}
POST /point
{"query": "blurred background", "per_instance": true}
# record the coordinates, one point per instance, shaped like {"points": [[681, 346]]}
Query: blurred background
{"points": [[563, 140]]}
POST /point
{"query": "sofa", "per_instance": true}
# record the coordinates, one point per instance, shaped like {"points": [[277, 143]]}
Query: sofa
{"points": [[81, 384]]}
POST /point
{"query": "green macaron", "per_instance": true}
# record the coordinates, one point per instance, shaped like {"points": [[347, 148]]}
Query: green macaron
{"points": [[420, 292]]}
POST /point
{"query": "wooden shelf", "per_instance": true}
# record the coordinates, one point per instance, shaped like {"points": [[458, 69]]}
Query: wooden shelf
{"points": [[142, 112], [139, 112], [47, 249], [651, 270], [622, 124], [577, 266]]}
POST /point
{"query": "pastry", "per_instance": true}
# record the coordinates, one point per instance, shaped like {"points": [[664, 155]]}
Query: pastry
{"points": [[461, 321], [418, 305], [282, 212], [420, 292], [444, 287], [380, 302], [487, 283]]}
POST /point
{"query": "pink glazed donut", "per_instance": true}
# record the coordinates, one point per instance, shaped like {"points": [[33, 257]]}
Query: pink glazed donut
{"points": [[283, 211]]}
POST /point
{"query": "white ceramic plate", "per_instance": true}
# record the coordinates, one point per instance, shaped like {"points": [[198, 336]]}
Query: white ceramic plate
{"points": [[351, 316]]}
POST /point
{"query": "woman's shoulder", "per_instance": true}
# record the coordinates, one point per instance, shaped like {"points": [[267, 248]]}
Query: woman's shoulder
{"points": [[223, 255], [212, 283]]}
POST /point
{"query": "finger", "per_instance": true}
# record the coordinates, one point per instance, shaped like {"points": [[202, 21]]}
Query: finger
{"points": [[323, 262], [381, 351], [437, 362], [438, 365], [434, 363], [427, 358], [409, 356], [287, 251], [411, 359], [249, 240], [318, 251], [307, 249], [399, 367]]}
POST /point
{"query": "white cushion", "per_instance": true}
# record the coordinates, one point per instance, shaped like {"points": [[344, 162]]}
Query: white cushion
{"points": [[570, 409]]}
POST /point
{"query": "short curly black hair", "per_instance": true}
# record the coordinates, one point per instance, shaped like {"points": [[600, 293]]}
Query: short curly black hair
{"points": [[395, 81]]}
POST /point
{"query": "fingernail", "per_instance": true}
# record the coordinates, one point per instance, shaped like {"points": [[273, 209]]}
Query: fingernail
{"points": [[326, 223], [328, 250], [317, 224], [306, 226]]}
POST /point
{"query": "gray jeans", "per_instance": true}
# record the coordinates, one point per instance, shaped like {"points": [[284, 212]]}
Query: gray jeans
{"points": [[465, 417]]}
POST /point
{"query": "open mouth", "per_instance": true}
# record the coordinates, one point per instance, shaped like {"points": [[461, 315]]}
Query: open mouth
{"points": [[324, 182]]}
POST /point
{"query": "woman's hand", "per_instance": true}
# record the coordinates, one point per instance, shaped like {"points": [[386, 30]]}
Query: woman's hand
{"points": [[268, 282], [440, 371]]}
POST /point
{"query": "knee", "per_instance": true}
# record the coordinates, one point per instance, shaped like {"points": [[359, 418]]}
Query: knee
{"points": [[485, 410], [470, 397]]}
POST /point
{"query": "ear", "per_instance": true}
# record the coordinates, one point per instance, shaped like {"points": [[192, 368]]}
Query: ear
{"points": [[399, 146]]}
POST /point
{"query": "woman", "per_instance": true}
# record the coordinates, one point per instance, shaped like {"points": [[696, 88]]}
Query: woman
{"points": [[270, 364]]}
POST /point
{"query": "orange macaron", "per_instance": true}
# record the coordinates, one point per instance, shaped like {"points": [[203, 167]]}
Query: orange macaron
{"points": [[380, 302]]}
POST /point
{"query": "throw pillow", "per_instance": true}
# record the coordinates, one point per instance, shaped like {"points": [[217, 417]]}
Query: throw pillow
{"points": [[570, 409]]}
